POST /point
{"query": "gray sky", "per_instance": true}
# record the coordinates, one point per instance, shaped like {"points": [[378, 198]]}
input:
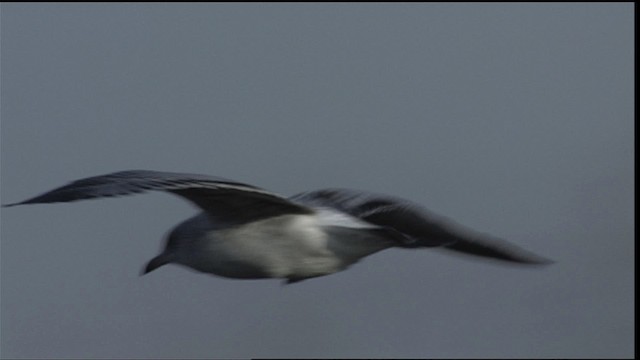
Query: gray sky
{"points": [[512, 119]]}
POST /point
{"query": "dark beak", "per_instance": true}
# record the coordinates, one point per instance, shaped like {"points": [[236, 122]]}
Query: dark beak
{"points": [[156, 262]]}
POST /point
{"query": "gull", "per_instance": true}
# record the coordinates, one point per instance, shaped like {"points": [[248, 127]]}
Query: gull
{"points": [[246, 232]]}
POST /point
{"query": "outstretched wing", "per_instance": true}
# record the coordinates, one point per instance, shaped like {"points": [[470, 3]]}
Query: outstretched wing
{"points": [[417, 226], [226, 200]]}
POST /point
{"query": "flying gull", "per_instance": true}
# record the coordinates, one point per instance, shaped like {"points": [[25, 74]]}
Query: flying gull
{"points": [[246, 232]]}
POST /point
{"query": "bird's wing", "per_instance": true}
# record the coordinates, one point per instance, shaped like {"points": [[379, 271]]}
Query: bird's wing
{"points": [[418, 227], [225, 199]]}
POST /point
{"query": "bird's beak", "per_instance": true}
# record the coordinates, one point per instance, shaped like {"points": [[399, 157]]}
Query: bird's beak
{"points": [[156, 262]]}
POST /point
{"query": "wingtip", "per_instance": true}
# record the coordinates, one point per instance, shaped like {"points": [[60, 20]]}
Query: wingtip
{"points": [[543, 262], [10, 205], [529, 258], [500, 251], [24, 202]]}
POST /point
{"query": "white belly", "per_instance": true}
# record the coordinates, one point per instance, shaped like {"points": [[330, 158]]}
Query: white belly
{"points": [[287, 246]]}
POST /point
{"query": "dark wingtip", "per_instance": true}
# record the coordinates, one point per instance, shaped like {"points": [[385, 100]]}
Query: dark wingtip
{"points": [[523, 257], [501, 251], [540, 260], [532, 262], [35, 200], [12, 204]]}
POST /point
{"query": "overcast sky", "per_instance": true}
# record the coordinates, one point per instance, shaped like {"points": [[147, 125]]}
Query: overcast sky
{"points": [[513, 119]]}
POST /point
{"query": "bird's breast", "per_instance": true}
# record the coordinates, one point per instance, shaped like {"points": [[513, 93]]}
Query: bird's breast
{"points": [[283, 246]]}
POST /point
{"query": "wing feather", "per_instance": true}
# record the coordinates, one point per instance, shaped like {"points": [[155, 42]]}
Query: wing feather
{"points": [[225, 199], [419, 227]]}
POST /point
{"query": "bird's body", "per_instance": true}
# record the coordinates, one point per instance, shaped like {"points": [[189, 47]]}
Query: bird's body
{"points": [[292, 247], [248, 233]]}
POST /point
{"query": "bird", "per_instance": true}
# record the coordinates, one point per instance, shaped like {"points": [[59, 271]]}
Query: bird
{"points": [[246, 232]]}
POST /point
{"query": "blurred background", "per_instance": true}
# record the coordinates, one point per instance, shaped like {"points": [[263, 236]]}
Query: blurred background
{"points": [[511, 119]]}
